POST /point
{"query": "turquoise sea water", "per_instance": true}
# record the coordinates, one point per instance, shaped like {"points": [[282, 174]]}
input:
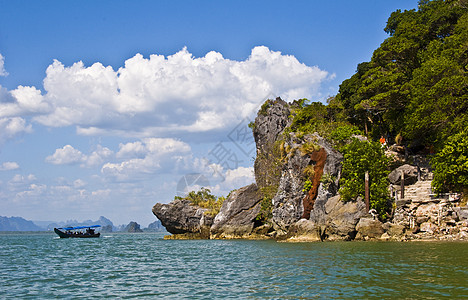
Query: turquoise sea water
{"points": [[146, 266]]}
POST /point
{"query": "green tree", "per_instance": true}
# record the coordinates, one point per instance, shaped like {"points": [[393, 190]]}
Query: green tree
{"points": [[451, 165], [416, 82], [359, 157]]}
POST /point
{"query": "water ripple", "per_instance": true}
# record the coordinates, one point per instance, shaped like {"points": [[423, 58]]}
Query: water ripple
{"points": [[145, 266]]}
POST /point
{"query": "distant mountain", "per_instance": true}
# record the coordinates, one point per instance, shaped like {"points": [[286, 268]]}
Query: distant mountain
{"points": [[155, 227], [18, 224], [106, 224], [133, 227]]}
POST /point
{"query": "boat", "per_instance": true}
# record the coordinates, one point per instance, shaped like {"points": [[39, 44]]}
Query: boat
{"points": [[77, 232]]}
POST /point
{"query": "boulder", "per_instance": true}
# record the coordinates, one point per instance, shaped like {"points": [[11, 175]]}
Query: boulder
{"points": [[369, 228], [461, 213], [428, 227], [396, 230], [181, 217], [341, 217], [411, 175], [237, 215], [427, 210], [305, 231]]}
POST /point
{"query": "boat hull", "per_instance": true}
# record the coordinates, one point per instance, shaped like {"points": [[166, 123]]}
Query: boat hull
{"points": [[64, 235]]}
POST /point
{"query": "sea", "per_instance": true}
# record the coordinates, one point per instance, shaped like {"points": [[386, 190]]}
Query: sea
{"points": [[145, 266]]}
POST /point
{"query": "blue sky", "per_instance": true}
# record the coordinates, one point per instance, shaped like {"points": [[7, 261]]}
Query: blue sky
{"points": [[106, 107]]}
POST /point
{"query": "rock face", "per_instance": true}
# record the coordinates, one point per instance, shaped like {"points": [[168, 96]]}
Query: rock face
{"points": [[369, 228], [133, 227], [298, 174], [410, 175], [424, 216], [180, 217], [292, 203], [236, 217]]}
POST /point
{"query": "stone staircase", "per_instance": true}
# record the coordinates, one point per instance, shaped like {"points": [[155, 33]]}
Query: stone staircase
{"points": [[421, 191]]}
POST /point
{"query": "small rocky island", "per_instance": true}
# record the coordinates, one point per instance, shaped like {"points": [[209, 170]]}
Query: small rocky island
{"points": [[296, 195]]}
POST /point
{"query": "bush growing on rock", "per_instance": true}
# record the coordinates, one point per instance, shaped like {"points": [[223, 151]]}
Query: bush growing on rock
{"points": [[359, 157], [205, 199]]}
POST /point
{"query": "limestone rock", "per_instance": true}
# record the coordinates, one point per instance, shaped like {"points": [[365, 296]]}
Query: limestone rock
{"points": [[411, 175], [428, 227], [305, 231], [341, 217], [396, 230], [291, 203], [368, 228], [133, 227], [237, 215], [461, 213], [181, 217]]}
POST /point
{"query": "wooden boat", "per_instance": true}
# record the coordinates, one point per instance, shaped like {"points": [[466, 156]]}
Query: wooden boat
{"points": [[76, 232]]}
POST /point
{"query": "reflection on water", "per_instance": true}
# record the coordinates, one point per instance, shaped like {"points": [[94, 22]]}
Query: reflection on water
{"points": [[146, 266]]}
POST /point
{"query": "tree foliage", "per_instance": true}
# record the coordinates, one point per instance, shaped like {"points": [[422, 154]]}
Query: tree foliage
{"points": [[416, 82], [359, 157], [451, 165]]}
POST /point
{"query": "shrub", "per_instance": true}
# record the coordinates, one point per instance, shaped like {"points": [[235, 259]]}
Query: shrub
{"points": [[308, 148], [359, 157], [451, 165], [307, 186], [344, 133], [205, 199], [264, 108], [327, 179]]}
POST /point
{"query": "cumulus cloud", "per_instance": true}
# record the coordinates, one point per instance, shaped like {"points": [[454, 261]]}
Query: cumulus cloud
{"points": [[97, 157], [3, 72], [66, 156], [12, 127], [146, 157], [70, 156], [9, 165], [162, 96]]}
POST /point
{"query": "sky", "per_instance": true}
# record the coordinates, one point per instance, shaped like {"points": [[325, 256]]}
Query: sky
{"points": [[108, 107]]}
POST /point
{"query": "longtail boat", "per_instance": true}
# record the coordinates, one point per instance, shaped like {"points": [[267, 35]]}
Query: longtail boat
{"points": [[77, 232]]}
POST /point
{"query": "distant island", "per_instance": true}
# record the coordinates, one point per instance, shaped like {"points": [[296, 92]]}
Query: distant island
{"points": [[21, 224]]}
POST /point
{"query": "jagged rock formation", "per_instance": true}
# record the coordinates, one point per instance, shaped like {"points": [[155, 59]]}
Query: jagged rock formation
{"points": [[133, 227], [181, 217], [236, 218], [285, 162]]}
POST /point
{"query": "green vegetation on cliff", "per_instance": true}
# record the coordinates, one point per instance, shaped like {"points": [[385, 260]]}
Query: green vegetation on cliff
{"points": [[203, 198], [413, 91], [451, 165], [361, 157]]}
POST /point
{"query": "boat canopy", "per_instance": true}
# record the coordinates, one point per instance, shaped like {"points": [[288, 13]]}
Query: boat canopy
{"points": [[79, 227]]}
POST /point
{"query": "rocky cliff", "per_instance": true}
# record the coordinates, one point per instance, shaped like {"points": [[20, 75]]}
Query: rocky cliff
{"points": [[296, 197]]}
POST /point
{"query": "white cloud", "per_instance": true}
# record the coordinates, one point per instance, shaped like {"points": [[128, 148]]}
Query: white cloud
{"points": [[234, 179], [79, 183], [66, 156], [12, 127], [239, 177], [98, 156], [3, 72], [69, 156], [9, 165], [162, 96], [146, 157]]}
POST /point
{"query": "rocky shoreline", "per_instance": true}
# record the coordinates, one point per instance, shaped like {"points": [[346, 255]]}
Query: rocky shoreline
{"points": [[317, 214]]}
